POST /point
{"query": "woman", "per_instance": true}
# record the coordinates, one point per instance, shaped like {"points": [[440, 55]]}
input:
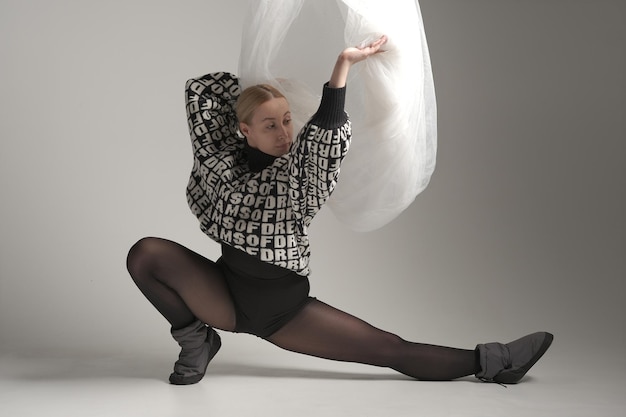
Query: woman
{"points": [[256, 195]]}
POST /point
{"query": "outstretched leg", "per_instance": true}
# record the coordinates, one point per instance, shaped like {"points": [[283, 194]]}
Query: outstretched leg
{"points": [[181, 284], [323, 331]]}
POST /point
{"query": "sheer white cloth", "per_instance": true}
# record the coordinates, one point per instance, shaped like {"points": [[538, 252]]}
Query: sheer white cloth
{"points": [[293, 44]]}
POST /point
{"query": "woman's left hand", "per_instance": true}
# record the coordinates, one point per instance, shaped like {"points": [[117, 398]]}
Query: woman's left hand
{"points": [[359, 53], [350, 56]]}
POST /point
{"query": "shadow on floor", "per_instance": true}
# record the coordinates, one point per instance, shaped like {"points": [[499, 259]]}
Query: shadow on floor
{"points": [[248, 370], [157, 368]]}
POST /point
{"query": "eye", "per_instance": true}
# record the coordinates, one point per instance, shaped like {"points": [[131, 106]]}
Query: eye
{"points": [[271, 126], [287, 122]]}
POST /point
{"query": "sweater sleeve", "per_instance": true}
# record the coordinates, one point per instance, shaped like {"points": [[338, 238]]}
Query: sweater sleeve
{"points": [[210, 102], [317, 155], [217, 148]]}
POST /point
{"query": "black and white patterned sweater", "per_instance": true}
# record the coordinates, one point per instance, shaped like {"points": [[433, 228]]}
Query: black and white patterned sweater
{"points": [[263, 209]]}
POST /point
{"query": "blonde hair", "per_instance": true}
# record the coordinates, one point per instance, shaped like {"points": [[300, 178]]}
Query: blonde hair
{"points": [[251, 98]]}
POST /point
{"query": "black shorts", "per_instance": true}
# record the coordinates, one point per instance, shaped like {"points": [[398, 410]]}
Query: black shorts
{"points": [[266, 296]]}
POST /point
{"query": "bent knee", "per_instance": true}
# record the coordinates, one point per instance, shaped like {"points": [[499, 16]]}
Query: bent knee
{"points": [[143, 254]]}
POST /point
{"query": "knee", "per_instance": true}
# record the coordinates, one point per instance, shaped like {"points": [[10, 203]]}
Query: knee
{"points": [[390, 347], [142, 256]]}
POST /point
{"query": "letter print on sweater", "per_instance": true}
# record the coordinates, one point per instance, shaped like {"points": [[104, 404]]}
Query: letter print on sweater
{"points": [[265, 214]]}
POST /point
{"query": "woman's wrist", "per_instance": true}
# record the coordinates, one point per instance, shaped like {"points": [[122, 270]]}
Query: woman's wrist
{"points": [[339, 76]]}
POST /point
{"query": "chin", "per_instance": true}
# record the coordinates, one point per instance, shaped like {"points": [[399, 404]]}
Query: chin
{"points": [[283, 150]]}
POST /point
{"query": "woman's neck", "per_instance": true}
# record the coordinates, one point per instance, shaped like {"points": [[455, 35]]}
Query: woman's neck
{"points": [[257, 160]]}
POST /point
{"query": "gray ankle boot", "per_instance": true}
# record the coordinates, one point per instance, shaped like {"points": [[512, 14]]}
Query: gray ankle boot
{"points": [[199, 344], [508, 363]]}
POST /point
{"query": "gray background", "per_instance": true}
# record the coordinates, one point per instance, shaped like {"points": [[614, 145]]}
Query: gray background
{"points": [[522, 227]]}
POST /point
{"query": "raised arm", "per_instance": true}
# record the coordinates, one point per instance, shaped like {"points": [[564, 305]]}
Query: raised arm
{"points": [[350, 56]]}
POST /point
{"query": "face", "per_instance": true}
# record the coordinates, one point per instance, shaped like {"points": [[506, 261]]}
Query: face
{"points": [[270, 130]]}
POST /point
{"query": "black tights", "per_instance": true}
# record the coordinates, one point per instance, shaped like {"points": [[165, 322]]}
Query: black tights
{"points": [[183, 286]]}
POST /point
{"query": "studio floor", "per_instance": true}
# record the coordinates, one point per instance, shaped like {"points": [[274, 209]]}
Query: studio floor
{"points": [[278, 383]]}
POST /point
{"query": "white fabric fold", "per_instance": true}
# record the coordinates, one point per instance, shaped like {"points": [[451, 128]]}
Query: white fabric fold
{"points": [[293, 44]]}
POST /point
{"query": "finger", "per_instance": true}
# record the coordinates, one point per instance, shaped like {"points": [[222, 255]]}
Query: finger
{"points": [[372, 44], [376, 45], [380, 41]]}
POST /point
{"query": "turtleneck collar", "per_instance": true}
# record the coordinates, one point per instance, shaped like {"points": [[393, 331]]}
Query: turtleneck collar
{"points": [[257, 160]]}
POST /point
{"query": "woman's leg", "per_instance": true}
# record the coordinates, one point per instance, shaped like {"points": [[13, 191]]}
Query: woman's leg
{"points": [[323, 331], [182, 285]]}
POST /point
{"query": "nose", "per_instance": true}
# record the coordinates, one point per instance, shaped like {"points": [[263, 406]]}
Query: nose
{"points": [[283, 135]]}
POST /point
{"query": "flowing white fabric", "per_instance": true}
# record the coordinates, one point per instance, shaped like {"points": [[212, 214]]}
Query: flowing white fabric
{"points": [[293, 44]]}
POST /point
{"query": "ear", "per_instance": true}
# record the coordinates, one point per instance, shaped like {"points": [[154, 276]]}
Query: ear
{"points": [[244, 129]]}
